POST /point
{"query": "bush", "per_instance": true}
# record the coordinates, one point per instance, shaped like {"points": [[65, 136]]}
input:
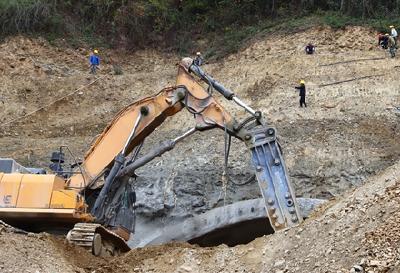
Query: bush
{"points": [[224, 25], [21, 16], [382, 25], [336, 20]]}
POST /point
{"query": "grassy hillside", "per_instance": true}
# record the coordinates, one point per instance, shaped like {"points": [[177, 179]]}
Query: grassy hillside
{"points": [[182, 26]]}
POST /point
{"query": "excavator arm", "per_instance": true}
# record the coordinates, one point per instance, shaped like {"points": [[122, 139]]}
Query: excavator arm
{"points": [[111, 156]]}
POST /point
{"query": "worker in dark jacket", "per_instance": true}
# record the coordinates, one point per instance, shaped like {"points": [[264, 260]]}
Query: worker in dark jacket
{"points": [[94, 60], [310, 49], [198, 60], [302, 94], [383, 40]]}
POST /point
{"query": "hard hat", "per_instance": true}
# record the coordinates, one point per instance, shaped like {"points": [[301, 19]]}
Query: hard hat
{"points": [[95, 51], [198, 53], [391, 26], [386, 34], [302, 82]]}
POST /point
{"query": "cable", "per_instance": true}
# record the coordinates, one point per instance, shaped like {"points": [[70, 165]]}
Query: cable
{"points": [[354, 60], [51, 103], [350, 80], [227, 148]]}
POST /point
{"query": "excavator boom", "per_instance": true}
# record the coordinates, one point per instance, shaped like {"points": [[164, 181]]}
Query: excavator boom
{"points": [[102, 191], [261, 140]]}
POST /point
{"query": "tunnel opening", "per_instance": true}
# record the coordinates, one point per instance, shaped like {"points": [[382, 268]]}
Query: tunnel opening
{"points": [[236, 234]]}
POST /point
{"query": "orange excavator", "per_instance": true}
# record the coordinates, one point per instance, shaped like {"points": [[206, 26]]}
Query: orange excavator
{"points": [[97, 198]]}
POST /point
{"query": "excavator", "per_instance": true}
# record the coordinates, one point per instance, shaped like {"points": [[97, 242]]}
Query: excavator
{"points": [[97, 197]]}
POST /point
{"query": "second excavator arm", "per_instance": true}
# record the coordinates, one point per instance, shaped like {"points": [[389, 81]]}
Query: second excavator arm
{"points": [[115, 149]]}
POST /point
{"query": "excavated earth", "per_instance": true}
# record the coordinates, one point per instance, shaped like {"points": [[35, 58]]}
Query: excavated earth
{"points": [[345, 143]]}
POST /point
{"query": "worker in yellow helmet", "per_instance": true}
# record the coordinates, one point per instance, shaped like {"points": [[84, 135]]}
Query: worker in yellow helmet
{"points": [[302, 93], [94, 60], [198, 60]]}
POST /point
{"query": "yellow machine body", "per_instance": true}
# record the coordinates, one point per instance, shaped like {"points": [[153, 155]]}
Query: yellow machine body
{"points": [[30, 197], [46, 200]]}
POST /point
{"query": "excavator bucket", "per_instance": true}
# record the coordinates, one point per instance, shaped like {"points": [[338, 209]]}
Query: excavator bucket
{"points": [[279, 197]]}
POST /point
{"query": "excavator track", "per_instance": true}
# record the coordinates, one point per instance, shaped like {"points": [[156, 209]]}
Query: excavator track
{"points": [[97, 239]]}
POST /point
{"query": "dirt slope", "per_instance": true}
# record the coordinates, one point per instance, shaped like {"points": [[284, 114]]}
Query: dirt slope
{"points": [[348, 134], [42, 253], [359, 230]]}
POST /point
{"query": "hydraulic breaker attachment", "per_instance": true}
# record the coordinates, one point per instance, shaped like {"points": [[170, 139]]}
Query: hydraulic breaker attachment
{"points": [[280, 201], [279, 197]]}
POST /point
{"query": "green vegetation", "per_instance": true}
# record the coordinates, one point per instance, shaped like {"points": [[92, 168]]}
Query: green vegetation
{"points": [[25, 16], [184, 25]]}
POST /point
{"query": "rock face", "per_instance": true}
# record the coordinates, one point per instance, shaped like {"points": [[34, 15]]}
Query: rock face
{"points": [[166, 198], [161, 230], [358, 232], [348, 133], [180, 194]]}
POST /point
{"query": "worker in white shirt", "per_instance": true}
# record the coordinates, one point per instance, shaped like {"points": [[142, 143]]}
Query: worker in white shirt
{"points": [[393, 33]]}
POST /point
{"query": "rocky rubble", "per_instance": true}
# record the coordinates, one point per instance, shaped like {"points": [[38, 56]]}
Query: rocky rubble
{"points": [[348, 134], [356, 233]]}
